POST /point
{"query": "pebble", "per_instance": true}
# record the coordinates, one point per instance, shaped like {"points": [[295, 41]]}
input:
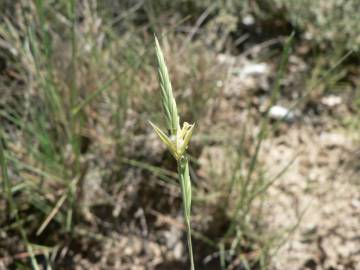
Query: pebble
{"points": [[278, 112]]}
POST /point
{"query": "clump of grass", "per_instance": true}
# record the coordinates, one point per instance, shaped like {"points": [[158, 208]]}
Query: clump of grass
{"points": [[177, 142]]}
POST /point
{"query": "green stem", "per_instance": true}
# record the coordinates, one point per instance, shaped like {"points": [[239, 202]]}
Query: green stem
{"points": [[183, 170], [188, 232]]}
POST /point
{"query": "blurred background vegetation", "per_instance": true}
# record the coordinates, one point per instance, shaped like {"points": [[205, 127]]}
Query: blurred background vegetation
{"points": [[82, 174]]}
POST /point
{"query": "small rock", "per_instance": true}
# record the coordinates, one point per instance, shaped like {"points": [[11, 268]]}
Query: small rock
{"points": [[248, 20], [252, 69], [278, 112], [331, 101], [355, 203]]}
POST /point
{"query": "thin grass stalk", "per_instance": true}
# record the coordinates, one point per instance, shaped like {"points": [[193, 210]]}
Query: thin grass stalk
{"points": [[75, 120], [183, 171], [13, 210], [249, 193], [10, 208]]}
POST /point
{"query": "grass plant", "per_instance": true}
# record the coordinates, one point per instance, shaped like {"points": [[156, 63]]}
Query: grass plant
{"points": [[77, 85], [177, 141]]}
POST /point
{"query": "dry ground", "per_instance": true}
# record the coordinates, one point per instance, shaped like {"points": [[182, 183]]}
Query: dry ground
{"points": [[315, 204]]}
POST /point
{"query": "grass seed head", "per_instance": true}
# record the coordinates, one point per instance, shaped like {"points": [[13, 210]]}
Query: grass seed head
{"points": [[167, 96], [179, 138]]}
